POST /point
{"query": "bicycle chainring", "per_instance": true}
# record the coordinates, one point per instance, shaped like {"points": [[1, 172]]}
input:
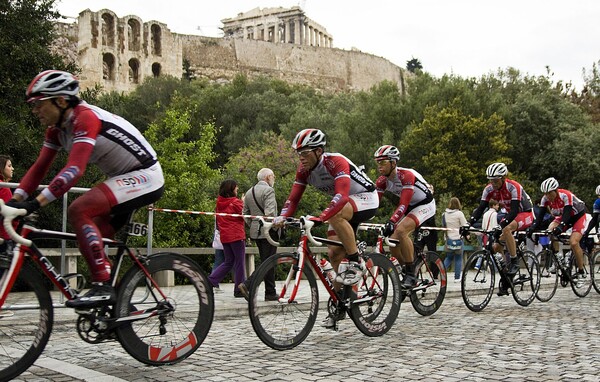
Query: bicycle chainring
{"points": [[92, 326]]}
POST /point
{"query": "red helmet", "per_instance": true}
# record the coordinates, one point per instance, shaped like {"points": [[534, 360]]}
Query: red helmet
{"points": [[387, 152], [312, 138]]}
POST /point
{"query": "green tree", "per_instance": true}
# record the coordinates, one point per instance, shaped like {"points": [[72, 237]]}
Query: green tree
{"points": [[190, 182], [413, 65]]}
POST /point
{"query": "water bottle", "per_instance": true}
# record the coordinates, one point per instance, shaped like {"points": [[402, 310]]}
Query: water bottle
{"points": [[567, 259], [500, 259], [327, 270], [561, 259], [396, 264]]}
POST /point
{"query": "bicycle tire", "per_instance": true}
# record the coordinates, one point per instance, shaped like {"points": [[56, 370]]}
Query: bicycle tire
{"points": [[595, 270], [24, 329], [183, 329], [283, 324], [477, 283], [526, 282], [587, 285], [429, 294], [548, 275], [380, 296]]}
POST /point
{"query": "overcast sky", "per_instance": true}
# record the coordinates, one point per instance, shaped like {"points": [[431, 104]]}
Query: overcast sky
{"points": [[469, 38]]}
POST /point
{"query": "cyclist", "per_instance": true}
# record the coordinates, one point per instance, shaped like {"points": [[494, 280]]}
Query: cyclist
{"points": [[354, 201], [593, 224], [90, 135], [518, 207], [568, 211], [415, 207]]}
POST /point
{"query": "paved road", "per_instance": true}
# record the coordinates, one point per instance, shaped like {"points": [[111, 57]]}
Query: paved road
{"points": [[559, 340]]}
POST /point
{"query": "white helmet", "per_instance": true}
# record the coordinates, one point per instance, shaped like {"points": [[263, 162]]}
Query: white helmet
{"points": [[598, 190], [496, 170], [52, 83], [548, 185], [312, 138], [387, 152]]}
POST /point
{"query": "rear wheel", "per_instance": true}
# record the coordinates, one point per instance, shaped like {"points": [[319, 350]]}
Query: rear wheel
{"points": [[526, 282], [377, 302], [283, 324], [548, 275], [477, 283], [25, 322], [581, 287], [172, 328], [428, 295]]}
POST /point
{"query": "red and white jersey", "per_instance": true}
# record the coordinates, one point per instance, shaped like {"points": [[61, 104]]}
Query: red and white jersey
{"points": [[409, 185], [510, 190], [564, 198], [90, 135], [334, 175]]}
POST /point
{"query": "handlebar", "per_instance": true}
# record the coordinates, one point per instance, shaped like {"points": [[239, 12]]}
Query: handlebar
{"points": [[10, 214], [303, 223]]}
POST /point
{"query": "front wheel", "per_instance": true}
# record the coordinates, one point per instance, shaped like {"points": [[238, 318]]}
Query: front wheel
{"points": [[285, 323], [377, 302], [595, 270], [172, 328], [581, 287], [428, 295], [477, 283], [25, 322], [549, 269], [526, 282]]}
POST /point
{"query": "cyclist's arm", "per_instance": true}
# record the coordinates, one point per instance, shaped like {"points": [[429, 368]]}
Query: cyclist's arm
{"points": [[478, 211], [381, 186], [592, 224], [514, 211], [36, 173], [566, 215], [290, 205], [342, 190], [405, 197]]}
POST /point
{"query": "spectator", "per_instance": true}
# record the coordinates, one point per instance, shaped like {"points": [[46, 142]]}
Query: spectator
{"points": [[260, 200], [6, 174], [490, 218], [453, 218], [233, 237]]}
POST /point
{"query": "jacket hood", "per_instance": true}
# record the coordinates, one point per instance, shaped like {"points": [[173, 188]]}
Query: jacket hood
{"points": [[222, 202], [449, 211]]}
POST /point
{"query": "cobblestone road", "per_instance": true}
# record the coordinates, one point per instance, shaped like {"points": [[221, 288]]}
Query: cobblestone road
{"points": [[558, 340]]}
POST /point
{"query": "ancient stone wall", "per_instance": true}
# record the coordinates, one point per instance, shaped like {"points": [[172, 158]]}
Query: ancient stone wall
{"points": [[118, 53]]}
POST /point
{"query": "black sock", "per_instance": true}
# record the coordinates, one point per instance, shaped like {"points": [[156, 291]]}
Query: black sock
{"points": [[353, 257]]}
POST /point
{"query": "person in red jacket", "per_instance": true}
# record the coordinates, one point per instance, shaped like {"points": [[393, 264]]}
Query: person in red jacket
{"points": [[233, 236], [6, 174]]}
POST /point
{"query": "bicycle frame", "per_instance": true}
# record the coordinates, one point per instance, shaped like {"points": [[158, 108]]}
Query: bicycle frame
{"points": [[28, 248]]}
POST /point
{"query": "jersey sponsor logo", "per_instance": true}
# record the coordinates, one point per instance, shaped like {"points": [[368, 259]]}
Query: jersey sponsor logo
{"points": [[136, 148], [362, 180], [132, 181]]}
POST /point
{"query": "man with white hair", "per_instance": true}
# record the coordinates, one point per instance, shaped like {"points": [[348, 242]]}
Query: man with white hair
{"points": [[260, 201]]}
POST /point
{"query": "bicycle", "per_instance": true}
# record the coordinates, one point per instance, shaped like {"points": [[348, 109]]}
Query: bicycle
{"points": [[479, 272], [555, 267], [156, 325], [430, 289], [372, 304]]}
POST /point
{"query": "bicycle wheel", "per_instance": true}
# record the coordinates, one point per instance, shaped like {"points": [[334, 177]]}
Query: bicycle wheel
{"points": [[585, 288], [428, 295], [377, 302], [595, 270], [548, 275], [283, 324], [175, 326], [26, 322], [477, 282], [526, 282]]}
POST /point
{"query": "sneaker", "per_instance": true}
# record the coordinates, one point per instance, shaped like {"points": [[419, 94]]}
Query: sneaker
{"points": [[217, 290], [513, 267], [271, 297], [350, 272], [409, 282], [243, 290], [579, 280], [100, 294], [552, 268], [328, 323]]}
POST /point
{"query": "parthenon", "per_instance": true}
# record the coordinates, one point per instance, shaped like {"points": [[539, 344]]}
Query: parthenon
{"points": [[278, 25]]}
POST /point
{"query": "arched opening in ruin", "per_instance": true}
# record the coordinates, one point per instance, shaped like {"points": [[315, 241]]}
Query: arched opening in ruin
{"points": [[133, 34], [108, 29], [134, 71], [108, 67], [156, 69], [155, 32]]}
